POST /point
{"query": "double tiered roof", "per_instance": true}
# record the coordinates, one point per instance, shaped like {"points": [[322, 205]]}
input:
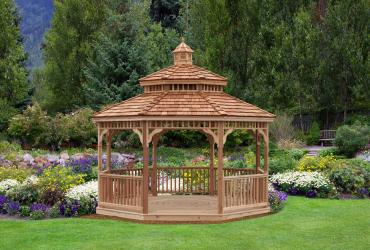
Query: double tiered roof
{"points": [[183, 90]]}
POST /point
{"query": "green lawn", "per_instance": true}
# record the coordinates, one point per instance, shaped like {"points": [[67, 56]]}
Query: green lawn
{"points": [[303, 224]]}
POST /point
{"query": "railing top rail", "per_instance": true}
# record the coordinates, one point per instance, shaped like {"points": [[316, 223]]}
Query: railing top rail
{"points": [[245, 176], [121, 176]]}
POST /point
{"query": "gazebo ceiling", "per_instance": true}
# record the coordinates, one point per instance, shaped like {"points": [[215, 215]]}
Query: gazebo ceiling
{"points": [[183, 90]]}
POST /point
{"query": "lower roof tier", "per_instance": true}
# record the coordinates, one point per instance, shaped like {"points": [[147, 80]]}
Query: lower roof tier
{"points": [[182, 104]]}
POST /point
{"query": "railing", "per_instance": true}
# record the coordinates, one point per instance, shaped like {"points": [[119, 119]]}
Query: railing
{"points": [[245, 190], [184, 180], [121, 189]]}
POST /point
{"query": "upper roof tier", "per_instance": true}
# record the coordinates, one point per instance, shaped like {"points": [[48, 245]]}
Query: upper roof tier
{"points": [[183, 71]]}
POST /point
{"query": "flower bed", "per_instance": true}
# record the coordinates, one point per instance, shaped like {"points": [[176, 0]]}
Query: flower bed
{"points": [[310, 184]]}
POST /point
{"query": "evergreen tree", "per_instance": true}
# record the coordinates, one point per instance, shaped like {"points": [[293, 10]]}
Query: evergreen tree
{"points": [[75, 25], [13, 75], [129, 46]]}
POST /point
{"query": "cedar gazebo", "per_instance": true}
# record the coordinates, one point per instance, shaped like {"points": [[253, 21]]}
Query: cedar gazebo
{"points": [[183, 97]]}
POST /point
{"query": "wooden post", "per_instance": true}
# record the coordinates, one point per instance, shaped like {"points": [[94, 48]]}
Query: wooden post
{"points": [[220, 175], [258, 150], [145, 168], [266, 152], [154, 165], [212, 181], [100, 161], [109, 151]]}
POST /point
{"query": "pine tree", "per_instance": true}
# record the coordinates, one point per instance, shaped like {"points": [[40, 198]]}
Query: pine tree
{"points": [[13, 74], [75, 25]]}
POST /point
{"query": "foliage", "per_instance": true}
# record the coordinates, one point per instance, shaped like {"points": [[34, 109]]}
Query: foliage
{"points": [[26, 193], [312, 164], [55, 182], [54, 212], [38, 211], [350, 176], [170, 157], [350, 139], [13, 207], [329, 151], [282, 128], [313, 135], [7, 185], [7, 147], [33, 127], [13, 75], [19, 174], [69, 208], [281, 164], [25, 211], [165, 12], [68, 45], [87, 195], [276, 200], [3, 202], [311, 184]]}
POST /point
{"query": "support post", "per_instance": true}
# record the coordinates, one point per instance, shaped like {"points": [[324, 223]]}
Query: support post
{"points": [[266, 152], [220, 175], [212, 180], [154, 165], [100, 161], [109, 151], [258, 151], [145, 168]]}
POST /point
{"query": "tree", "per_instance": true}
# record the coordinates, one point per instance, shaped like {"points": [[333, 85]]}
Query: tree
{"points": [[13, 75], [129, 46], [68, 45], [165, 12]]}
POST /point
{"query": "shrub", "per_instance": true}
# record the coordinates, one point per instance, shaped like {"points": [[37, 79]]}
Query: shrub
{"points": [[25, 193], [54, 212], [7, 147], [350, 139], [86, 194], [311, 163], [19, 174], [311, 184], [13, 207], [297, 153], [350, 177], [170, 157], [38, 211], [32, 127], [69, 208], [281, 163], [25, 211], [54, 183], [282, 128], [313, 136], [327, 152], [7, 185], [276, 200]]}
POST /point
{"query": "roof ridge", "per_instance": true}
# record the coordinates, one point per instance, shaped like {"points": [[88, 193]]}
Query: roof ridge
{"points": [[153, 102], [214, 105], [248, 104]]}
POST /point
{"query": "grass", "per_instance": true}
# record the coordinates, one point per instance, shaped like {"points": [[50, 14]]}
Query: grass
{"points": [[303, 224]]}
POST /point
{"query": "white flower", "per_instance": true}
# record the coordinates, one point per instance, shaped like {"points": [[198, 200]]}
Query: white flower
{"points": [[301, 179], [88, 190], [8, 184]]}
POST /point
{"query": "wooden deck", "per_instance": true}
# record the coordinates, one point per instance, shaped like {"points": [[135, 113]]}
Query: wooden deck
{"points": [[185, 208]]}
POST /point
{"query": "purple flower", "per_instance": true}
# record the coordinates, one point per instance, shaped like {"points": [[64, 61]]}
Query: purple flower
{"points": [[38, 207], [293, 191], [13, 207], [363, 191], [311, 194], [282, 195], [3, 200]]}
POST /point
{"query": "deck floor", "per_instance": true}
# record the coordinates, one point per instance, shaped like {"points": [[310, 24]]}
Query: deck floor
{"points": [[183, 204]]}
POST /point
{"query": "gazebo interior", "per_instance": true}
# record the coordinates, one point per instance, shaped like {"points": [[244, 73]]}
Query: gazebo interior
{"points": [[183, 97]]}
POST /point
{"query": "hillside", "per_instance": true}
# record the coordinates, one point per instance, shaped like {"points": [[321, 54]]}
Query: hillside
{"points": [[36, 17]]}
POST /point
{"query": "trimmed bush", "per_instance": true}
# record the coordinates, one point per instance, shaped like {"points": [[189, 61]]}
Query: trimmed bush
{"points": [[350, 139], [311, 163], [313, 136]]}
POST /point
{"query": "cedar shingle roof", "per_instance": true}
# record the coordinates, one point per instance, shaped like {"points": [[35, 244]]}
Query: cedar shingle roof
{"points": [[183, 104], [182, 72]]}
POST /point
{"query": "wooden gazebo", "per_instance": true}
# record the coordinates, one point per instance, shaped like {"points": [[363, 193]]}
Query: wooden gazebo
{"points": [[183, 97]]}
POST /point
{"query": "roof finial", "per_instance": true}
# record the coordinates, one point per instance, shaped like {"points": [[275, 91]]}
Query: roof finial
{"points": [[182, 39]]}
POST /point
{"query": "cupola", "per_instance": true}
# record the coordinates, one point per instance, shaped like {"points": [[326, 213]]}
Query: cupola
{"points": [[183, 54]]}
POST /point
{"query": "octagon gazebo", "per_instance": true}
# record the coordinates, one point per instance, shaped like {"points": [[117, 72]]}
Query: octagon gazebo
{"points": [[183, 97]]}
